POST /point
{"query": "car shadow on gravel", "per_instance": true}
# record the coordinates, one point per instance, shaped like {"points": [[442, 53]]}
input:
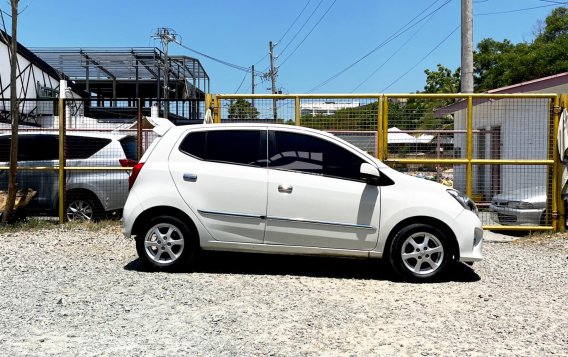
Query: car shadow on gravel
{"points": [[309, 266]]}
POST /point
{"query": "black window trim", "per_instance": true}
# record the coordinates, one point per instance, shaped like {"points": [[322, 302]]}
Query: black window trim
{"points": [[271, 143], [262, 138]]}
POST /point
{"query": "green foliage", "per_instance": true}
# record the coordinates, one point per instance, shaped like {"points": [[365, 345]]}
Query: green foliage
{"points": [[498, 64], [242, 109], [442, 81]]}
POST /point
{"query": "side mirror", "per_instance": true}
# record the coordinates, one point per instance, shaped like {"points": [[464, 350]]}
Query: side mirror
{"points": [[369, 172]]}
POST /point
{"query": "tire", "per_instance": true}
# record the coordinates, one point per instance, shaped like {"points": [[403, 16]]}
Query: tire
{"points": [[420, 253], [82, 209], [167, 243]]}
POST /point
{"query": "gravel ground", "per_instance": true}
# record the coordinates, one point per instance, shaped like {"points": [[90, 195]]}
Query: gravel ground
{"points": [[74, 291]]}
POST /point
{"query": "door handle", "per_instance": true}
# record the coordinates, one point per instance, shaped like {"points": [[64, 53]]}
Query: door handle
{"points": [[285, 188], [189, 177]]}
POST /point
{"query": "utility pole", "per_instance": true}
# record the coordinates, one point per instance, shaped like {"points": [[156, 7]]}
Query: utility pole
{"points": [[252, 78], [273, 79], [166, 35], [466, 46]]}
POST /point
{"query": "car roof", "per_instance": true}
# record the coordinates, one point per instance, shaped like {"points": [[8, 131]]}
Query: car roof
{"points": [[254, 125]]}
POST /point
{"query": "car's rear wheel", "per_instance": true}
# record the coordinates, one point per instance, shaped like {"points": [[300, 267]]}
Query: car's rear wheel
{"points": [[420, 252], [167, 243]]}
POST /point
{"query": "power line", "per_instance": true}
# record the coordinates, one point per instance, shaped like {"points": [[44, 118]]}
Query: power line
{"points": [[392, 37], [422, 59], [240, 85], [516, 10], [284, 35], [392, 55], [308, 34], [302, 27], [294, 22], [226, 63]]}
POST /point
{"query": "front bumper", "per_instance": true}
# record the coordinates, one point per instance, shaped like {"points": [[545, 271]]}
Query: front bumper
{"points": [[516, 217], [469, 235]]}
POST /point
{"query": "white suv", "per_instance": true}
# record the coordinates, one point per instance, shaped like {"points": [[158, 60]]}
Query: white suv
{"points": [[290, 190]]}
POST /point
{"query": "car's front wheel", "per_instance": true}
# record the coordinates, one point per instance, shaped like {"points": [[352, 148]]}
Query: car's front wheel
{"points": [[420, 252], [167, 243]]}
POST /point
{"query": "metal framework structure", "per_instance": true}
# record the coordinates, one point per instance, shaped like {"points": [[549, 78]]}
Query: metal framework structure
{"points": [[36, 80], [128, 74]]}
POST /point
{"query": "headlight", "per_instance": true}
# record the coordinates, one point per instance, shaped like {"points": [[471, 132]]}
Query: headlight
{"points": [[520, 205], [463, 200]]}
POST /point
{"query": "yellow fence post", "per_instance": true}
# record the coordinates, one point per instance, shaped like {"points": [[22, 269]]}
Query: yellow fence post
{"points": [[380, 143], [298, 111], [469, 169], [557, 206], [385, 137], [61, 161], [216, 105]]}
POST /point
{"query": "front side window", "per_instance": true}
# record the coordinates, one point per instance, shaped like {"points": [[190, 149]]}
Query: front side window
{"points": [[308, 154], [242, 147]]}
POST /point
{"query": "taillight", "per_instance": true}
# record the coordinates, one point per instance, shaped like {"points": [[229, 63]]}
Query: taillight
{"points": [[127, 162], [134, 174]]}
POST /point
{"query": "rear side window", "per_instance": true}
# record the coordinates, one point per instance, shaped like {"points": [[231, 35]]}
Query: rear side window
{"points": [[31, 147], [243, 147], [83, 147], [4, 148], [36, 147], [130, 147]]}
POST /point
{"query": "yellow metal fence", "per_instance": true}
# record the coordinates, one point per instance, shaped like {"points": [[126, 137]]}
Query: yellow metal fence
{"points": [[498, 149]]}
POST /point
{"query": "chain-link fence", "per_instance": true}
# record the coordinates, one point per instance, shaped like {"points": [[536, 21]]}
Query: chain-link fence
{"points": [[499, 149], [102, 141]]}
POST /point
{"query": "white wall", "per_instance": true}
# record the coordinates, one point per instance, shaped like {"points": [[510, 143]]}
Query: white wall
{"points": [[524, 130]]}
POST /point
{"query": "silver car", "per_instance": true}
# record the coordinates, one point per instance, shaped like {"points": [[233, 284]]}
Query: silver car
{"points": [[89, 193], [522, 207]]}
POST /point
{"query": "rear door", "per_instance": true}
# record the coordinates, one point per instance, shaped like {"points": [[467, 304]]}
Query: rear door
{"points": [[221, 174]]}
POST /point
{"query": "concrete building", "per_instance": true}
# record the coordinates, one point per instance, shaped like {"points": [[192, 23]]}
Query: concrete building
{"points": [[509, 129], [325, 108]]}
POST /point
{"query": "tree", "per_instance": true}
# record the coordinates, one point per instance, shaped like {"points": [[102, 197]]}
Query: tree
{"points": [[556, 25], [442, 81], [498, 64], [502, 63], [241, 109], [14, 109]]}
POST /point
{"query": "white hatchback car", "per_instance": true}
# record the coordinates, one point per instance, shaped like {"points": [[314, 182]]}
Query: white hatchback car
{"points": [[290, 190]]}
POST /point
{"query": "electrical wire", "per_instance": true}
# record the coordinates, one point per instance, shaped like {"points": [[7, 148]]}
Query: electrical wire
{"points": [[240, 85], [301, 28], [409, 25], [555, 2], [308, 34], [516, 10], [422, 59], [226, 63], [284, 35], [392, 55], [294, 22]]}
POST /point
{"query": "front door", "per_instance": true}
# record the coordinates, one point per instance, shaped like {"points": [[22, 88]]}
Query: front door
{"points": [[316, 197]]}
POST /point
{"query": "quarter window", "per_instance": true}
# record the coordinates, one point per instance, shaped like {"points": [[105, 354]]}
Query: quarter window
{"points": [[308, 154], [243, 147]]}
